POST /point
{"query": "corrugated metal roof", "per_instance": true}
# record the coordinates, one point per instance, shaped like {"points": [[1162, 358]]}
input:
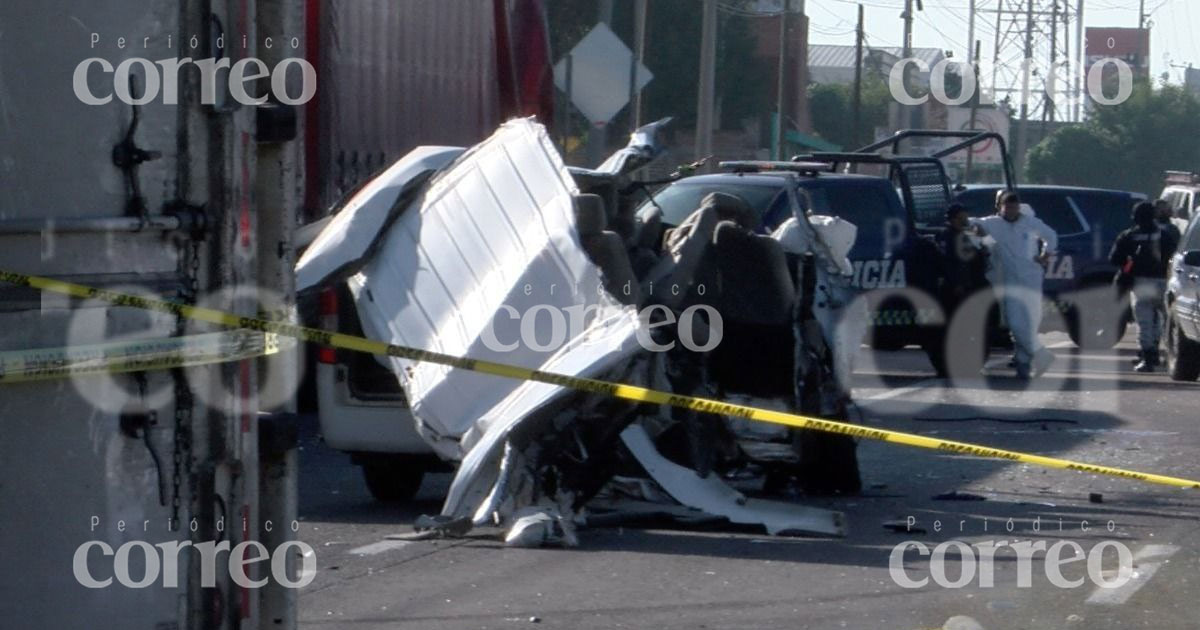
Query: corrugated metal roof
{"points": [[832, 56]]}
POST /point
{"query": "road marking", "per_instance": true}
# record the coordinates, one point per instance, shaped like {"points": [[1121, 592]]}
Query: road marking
{"points": [[379, 547], [904, 391], [308, 572], [1143, 570]]}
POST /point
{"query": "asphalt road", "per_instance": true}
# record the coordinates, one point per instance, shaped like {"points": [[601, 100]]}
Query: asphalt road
{"points": [[1090, 407]]}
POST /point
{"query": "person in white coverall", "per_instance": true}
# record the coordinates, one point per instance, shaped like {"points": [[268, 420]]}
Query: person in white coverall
{"points": [[1018, 254]]}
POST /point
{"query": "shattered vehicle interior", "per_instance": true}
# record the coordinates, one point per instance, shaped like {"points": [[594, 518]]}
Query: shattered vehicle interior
{"points": [[460, 252]]}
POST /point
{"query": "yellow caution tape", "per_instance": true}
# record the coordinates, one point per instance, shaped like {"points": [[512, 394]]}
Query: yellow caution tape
{"points": [[39, 364], [627, 392]]}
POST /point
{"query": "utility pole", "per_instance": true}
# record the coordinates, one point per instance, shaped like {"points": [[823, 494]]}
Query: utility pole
{"points": [[858, 63], [974, 106], [707, 83], [1142, 14], [781, 88], [639, 57], [1066, 23], [905, 117], [1023, 124], [996, 49], [1052, 73], [1080, 62], [971, 30], [598, 134]]}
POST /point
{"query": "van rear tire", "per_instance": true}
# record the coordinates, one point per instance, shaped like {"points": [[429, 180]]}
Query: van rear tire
{"points": [[393, 480]]}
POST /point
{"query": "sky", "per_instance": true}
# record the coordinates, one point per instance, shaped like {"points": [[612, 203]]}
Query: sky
{"points": [[1175, 26]]}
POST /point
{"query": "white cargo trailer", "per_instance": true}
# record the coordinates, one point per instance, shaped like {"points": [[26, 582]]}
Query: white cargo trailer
{"points": [[169, 185]]}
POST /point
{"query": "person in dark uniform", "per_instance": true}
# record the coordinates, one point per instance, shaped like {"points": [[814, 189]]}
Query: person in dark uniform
{"points": [[963, 265], [1166, 217], [1142, 254]]}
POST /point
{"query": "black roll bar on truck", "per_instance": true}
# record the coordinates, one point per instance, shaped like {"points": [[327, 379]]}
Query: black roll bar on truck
{"points": [[969, 138]]}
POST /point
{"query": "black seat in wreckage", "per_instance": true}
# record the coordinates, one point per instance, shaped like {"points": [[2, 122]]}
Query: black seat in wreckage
{"points": [[756, 299], [753, 284], [750, 282], [605, 248]]}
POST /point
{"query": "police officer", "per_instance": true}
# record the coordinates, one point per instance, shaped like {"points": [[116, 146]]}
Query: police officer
{"points": [[1142, 254], [1166, 218], [962, 271]]}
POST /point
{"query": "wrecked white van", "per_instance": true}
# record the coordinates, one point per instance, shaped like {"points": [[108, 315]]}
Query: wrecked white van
{"points": [[445, 247]]}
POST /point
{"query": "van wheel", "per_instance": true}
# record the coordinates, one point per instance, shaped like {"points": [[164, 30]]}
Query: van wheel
{"points": [[392, 481], [1092, 328], [1183, 354]]}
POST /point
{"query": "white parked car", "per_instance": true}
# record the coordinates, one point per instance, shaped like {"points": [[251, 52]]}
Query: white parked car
{"points": [[1182, 192], [1183, 308]]}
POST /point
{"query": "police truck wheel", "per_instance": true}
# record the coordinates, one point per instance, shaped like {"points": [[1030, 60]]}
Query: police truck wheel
{"points": [[1183, 354], [392, 481]]}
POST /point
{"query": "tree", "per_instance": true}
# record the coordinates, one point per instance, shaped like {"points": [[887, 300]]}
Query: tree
{"points": [[1074, 156], [831, 105], [1125, 146]]}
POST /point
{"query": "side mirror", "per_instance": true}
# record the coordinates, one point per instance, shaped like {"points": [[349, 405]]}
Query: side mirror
{"points": [[1191, 258]]}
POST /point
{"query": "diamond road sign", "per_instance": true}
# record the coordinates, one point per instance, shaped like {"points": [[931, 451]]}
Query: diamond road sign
{"points": [[599, 74]]}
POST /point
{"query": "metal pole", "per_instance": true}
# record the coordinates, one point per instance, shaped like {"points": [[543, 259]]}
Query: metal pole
{"points": [[1080, 62], [1142, 14], [781, 91], [1022, 125], [639, 54], [707, 84], [905, 110], [598, 132], [974, 109], [1052, 74], [996, 47], [858, 62], [971, 29], [1066, 18], [566, 128]]}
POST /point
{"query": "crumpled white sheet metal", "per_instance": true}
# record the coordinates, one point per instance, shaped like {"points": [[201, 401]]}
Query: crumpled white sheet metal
{"points": [[492, 241], [713, 496], [353, 231]]}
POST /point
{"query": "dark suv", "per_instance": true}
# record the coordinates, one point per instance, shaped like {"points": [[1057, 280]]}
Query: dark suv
{"points": [[1087, 221]]}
